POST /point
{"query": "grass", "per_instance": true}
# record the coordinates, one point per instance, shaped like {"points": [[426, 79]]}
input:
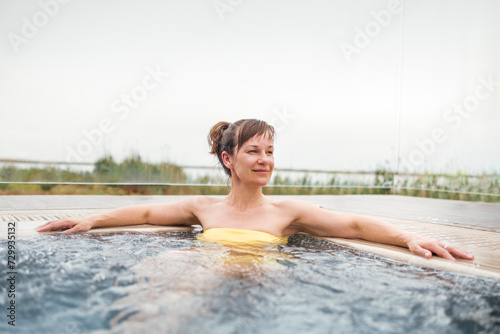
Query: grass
{"points": [[106, 171]]}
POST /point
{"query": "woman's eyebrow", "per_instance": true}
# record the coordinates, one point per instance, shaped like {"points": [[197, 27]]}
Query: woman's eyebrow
{"points": [[257, 146]]}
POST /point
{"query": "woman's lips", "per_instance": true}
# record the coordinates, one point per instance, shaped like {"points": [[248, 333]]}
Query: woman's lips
{"points": [[261, 171]]}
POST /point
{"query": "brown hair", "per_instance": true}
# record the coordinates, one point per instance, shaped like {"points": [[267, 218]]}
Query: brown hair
{"points": [[228, 137]]}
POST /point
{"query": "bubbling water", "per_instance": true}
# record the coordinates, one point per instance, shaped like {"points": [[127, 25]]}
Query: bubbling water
{"points": [[173, 283]]}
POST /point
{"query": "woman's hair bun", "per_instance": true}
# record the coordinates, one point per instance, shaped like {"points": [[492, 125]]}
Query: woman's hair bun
{"points": [[215, 136]]}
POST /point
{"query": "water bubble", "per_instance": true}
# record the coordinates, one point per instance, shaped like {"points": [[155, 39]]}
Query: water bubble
{"points": [[73, 328], [99, 277]]}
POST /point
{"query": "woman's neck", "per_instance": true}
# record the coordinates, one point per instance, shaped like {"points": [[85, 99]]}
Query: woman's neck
{"points": [[244, 197]]}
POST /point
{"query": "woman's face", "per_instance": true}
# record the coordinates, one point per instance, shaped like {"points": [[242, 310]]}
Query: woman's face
{"points": [[254, 161]]}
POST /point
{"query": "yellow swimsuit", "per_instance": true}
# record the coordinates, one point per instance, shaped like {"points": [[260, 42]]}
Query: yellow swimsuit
{"points": [[245, 246], [237, 236]]}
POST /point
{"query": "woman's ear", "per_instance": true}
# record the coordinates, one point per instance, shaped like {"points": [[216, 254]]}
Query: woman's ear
{"points": [[226, 159]]}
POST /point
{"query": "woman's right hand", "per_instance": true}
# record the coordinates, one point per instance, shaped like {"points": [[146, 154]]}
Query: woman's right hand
{"points": [[68, 224]]}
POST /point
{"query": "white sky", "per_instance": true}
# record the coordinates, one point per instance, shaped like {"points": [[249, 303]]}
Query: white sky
{"points": [[262, 59]]}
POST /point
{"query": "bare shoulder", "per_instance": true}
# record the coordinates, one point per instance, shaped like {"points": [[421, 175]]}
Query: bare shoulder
{"points": [[200, 202], [187, 206], [184, 212], [293, 206], [294, 210], [310, 218]]}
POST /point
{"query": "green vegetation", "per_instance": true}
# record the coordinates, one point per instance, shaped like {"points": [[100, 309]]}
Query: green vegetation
{"points": [[107, 172], [484, 188]]}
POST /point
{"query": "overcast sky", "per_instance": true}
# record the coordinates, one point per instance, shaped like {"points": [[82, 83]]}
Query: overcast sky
{"points": [[350, 85]]}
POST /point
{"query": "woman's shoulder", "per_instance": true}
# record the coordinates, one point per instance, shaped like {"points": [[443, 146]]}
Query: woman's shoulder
{"points": [[201, 201], [291, 204]]}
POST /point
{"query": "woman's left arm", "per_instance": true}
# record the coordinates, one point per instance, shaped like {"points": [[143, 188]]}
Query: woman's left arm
{"points": [[327, 223], [379, 231]]}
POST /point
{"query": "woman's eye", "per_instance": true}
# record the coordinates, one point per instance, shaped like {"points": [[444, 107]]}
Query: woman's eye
{"points": [[269, 152], [252, 151]]}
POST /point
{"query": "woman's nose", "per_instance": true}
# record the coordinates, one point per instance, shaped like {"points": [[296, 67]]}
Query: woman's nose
{"points": [[263, 158]]}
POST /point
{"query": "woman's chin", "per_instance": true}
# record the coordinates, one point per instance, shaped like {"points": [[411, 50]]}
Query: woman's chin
{"points": [[261, 183], [264, 183]]}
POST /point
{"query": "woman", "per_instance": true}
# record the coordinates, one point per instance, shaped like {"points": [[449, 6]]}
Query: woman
{"points": [[245, 150]]}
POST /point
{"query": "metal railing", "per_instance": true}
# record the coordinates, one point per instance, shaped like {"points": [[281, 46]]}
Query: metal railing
{"points": [[394, 187]]}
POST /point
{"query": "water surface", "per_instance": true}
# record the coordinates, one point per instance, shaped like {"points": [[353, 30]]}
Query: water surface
{"points": [[174, 283]]}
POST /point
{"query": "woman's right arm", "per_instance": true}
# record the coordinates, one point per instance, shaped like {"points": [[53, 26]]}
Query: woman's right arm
{"points": [[178, 213]]}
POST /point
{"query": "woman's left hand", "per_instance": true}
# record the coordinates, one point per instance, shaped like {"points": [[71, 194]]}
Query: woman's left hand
{"points": [[425, 247]]}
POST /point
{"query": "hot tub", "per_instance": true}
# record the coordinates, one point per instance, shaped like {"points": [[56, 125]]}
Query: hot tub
{"points": [[174, 283]]}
